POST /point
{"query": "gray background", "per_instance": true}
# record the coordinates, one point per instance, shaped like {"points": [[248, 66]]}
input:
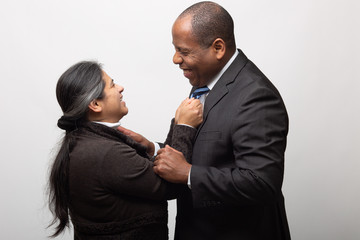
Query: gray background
{"points": [[308, 48]]}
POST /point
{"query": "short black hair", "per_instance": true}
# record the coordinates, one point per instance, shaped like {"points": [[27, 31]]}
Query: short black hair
{"points": [[209, 21]]}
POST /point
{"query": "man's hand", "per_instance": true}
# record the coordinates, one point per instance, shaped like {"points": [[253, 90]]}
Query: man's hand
{"points": [[139, 139], [171, 165]]}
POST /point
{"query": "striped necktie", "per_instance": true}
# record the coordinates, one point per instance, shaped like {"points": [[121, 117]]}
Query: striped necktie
{"points": [[199, 92]]}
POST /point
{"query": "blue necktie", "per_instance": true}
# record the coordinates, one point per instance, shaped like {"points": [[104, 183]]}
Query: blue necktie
{"points": [[199, 92]]}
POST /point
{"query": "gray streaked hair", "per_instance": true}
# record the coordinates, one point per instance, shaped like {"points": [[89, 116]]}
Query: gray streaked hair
{"points": [[76, 88]]}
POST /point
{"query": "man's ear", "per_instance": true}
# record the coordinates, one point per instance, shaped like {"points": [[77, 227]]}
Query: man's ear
{"points": [[219, 47], [95, 106]]}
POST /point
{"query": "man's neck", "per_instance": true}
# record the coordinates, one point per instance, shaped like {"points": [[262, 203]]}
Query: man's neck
{"points": [[211, 84]]}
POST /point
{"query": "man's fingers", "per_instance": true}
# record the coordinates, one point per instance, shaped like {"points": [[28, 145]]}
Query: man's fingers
{"points": [[159, 167], [156, 170], [170, 149], [159, 152], [162, 151], [124, 130]]}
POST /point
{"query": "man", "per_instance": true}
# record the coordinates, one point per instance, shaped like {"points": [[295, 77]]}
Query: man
{"points": [[235, 174]]}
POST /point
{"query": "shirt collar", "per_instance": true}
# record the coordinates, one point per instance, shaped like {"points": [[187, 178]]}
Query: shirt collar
{"points": [[217, 76], [111, 125]]}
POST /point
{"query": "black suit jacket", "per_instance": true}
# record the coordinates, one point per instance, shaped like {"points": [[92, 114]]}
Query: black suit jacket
{"points": [[237, 162]]}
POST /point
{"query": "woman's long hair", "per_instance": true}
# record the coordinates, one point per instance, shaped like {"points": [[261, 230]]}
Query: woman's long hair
{"points": [[76, 88]]}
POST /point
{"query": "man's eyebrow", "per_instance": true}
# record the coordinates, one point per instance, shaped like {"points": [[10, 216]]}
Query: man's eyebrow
{"points": [[182, 49]]}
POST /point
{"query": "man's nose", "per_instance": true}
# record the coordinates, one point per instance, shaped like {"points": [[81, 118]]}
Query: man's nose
{"points": [[177, 59]]}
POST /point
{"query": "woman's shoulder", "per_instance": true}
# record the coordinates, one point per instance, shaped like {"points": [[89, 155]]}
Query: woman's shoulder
{"points": [[100, 134]]}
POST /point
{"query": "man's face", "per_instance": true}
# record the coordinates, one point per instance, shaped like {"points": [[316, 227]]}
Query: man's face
{"points": [[199, 64]]}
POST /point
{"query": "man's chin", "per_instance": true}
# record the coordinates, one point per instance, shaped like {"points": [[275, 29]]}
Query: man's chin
{"points": [[193, 83]]}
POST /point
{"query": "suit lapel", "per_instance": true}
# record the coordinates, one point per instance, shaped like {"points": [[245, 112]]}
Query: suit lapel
{"points": [[221, 87]]}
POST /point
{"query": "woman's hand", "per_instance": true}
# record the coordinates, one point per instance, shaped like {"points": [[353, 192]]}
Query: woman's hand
{"points": [[190, 112]]}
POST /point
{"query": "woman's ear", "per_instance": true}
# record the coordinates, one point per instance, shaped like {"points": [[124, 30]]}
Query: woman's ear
{"points": [[95, 106], [219, 47]]}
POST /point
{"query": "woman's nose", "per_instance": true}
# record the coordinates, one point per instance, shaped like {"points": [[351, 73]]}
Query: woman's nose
{"points": [[120, 88], [177, 59]]}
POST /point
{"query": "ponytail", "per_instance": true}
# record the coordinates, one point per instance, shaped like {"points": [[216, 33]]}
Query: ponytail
{"points": [[76, 88], [59, 186]]}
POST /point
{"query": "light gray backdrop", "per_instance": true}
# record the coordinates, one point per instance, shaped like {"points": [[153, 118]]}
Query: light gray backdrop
{"points": [[308, 48]]}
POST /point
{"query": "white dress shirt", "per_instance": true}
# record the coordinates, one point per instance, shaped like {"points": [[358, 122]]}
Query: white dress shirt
{"points": [[111, 125]]}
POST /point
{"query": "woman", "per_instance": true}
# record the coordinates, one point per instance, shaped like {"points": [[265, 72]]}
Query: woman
{"points": [[102, 179]]}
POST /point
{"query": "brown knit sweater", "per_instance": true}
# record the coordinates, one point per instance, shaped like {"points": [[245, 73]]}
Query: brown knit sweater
{"points": [[114, 193]]}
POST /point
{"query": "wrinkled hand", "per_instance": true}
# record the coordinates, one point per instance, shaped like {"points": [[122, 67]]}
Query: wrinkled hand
{"points": [[190, 112], [139, 139], [171, 165]]}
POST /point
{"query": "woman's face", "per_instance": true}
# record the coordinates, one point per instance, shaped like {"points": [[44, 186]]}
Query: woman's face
{"points": [[112, 104]]}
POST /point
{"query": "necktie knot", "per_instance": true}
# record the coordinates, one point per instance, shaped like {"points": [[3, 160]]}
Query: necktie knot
{"points": [[199, 92]]}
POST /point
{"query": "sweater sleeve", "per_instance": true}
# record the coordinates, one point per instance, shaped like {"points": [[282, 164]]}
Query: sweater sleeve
{"points": [[126, 172], [183, 140], [169, 136], [181, 137]]}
